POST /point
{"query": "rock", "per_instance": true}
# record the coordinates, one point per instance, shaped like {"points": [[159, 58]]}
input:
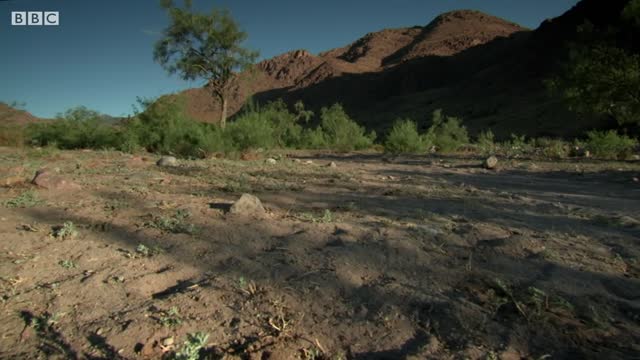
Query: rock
{"points": [[168, 341], [247, 205], [308, 162], [167, 161], [48, 180], [491, 162], [635, 157], [332, 165], [297, 161], [271, 161]]}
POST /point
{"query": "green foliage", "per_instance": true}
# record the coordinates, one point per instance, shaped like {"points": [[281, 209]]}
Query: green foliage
{"points": [[341, 133], [486, 143], [602, 80], [517, 146], [207, 46], [553, 148], [27, 199], [163, 127], [77, 128], [405, 138], [190, 350], [610, 145], [446, 133]]}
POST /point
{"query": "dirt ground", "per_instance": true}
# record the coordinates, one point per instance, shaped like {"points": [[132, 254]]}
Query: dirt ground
{"points": [[376, 258]]}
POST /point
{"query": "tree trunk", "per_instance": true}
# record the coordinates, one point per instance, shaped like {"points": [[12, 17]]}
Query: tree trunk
{"points": [[223, 115]]}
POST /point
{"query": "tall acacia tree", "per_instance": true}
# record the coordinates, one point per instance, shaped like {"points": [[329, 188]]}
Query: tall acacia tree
{"points": [[204, 46]]}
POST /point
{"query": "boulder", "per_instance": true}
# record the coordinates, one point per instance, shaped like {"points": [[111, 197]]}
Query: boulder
{"points": [[491, 162], [247, 205], [48, 179], [167, 161]]}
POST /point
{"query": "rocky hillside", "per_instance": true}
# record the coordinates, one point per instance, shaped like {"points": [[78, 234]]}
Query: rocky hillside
{"points": [[484, 69], [12, 116]]}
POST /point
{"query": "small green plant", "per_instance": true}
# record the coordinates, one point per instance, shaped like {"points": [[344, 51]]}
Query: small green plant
{"points": [[147, 251], [404, 138], [326, 217], [170, 318], [610, 145], [66, 231], [176, 224], [67, 264], [191, 348], [26, 199]]}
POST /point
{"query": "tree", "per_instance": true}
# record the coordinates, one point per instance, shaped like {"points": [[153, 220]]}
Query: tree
{"points": [[602, 80], [601, 76], [205, 46]]}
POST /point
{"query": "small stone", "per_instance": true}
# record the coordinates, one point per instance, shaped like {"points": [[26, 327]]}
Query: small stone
{"points": [[635, 179], [491, 162], [99, 331], [332, 165], [167, 161], [297, 161], [168, 341], [636, 157], [308, 162], [247, 205], [271, 161]]}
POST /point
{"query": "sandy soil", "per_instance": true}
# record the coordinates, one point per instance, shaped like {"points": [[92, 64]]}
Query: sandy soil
{"points": [[406, 258]]}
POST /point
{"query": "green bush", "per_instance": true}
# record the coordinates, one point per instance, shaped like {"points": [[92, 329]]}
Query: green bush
{"points": [[341, 133], [77, 128], [405, 138], [486, 143], [553, 148], [518, 146], [609, 144], [163, 127], [446, 133], [285, 130]]}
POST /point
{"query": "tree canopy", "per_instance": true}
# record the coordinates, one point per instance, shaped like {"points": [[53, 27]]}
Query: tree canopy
{"points": [[204, 46]]}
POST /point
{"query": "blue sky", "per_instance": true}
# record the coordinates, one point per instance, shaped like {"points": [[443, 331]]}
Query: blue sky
{"points": [[101, 54]]}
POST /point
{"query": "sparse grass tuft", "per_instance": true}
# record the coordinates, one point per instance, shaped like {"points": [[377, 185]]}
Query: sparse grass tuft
{"points": [[26, 199], [175, 224], [326, 217], [67, 264], [170, 318], [65, 231]]}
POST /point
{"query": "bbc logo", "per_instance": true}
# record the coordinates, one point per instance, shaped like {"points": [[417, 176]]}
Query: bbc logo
{"points": [[35, 18]]}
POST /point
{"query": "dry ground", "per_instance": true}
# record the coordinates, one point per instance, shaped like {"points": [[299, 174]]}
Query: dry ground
{"points": [[413, 258]]}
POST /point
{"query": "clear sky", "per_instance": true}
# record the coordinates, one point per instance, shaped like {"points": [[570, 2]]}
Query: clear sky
{"points": [[100, 55]]}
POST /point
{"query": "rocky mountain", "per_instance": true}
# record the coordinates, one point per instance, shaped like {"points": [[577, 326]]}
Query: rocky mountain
{"points": [[487, 70], [9, 115]]}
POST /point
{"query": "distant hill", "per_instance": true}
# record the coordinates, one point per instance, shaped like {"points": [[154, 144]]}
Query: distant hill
{"points": [[12, 116], [487, 70]]}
